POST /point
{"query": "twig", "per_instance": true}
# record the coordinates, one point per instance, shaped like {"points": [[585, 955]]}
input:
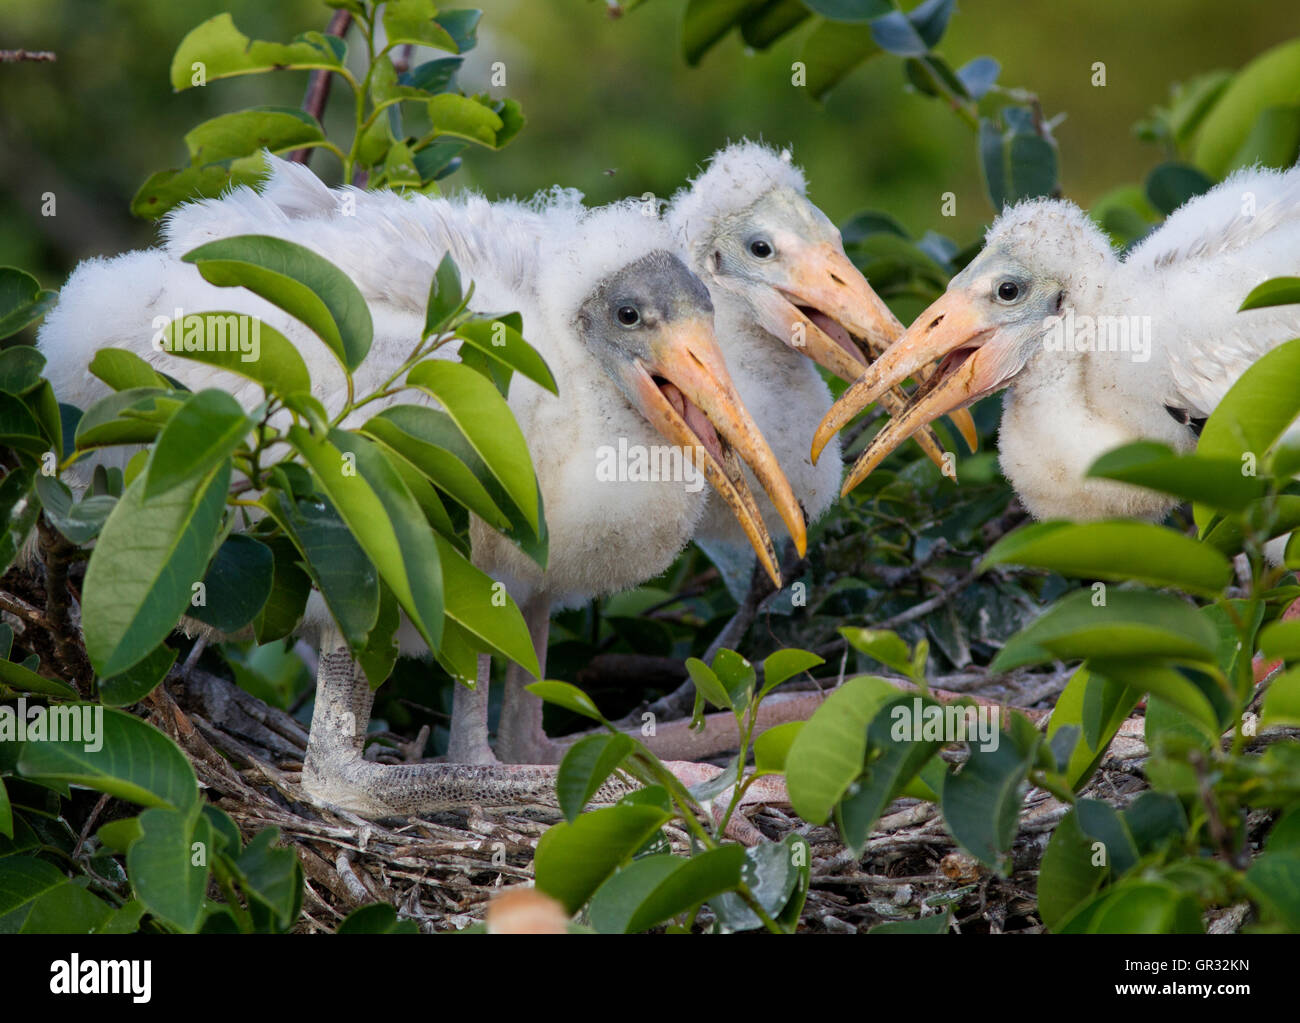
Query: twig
{"points": [[318, 85], [39, 56]]}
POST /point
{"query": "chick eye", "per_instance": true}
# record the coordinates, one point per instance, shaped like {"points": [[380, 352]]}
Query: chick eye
{"points": [[1008, 291], [760, 248], [628, 316]]}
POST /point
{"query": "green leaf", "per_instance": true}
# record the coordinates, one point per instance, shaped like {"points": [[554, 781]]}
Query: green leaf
{"points": [[1120, 550], [896, 751], [827, 755], [122, 370], [20, 366], [707, 21], [264, 355], [1270, 80], [133, 760], [934, 923], [487, 423], [133, 416], [168, 189], [22, 301], [707, 684], [1216, 482], [376, 918], [646, 893], [297, 280], [772, 747], [143, 567], [1274, 880], [220, 50], [473, 605], [507, 346], [849, 10], [737, 676], [784, 665], [573, 859], [1255, 412], [775, 873], [1131, 623], [19, 428], [1281, 702], [246, 132], [272, 876], [585, 767], [237, 584], [1173, 183], [384, 518], [16, 677], [1278, 291], [431, 441], [465, 118], [446, 298], [204, 432], [168, 865], [19, 508], [335, 561], [570, 697], [882, 645], [290, 588], [138, 681], [831, 51], [1071, 873], [412, 21], [32, 902], [981, 802]]}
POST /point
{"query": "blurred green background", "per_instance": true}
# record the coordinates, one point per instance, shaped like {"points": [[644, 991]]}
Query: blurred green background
{"points": [[602, 94]]}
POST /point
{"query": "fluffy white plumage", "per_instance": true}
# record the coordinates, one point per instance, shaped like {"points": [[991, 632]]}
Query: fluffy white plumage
{"points": [[1186, 281], [780, 386], [540, 259]]}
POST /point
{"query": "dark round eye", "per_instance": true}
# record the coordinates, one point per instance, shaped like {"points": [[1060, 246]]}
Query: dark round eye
{"points": [[760, 248], [1008, 291], [628, 316]]}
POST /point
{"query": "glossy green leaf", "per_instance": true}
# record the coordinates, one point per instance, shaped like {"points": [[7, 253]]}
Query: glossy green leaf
{"points": [[250, 131], [143, 567], [217, 49], [573, 859], [264, 355], [585, 767], [827, 755], [18, 678], [169, 864], [204, 432], [22, 300], [1131, 623], [707, 684], [412, 21], [570, 697], [1216, 482], [236, 585], [1282, 701], [487, 423], [139, 680], [508, 347], [772, 747], [297, 280], [1120, 550], [20, 366], [290, 588], [646, 893], [129, 759], [783, 665], [1278, 291], [833, 50]]}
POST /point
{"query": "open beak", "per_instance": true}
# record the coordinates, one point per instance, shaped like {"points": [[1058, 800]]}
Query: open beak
{"points": [[951, 332], [845, 326], [688, 396]]}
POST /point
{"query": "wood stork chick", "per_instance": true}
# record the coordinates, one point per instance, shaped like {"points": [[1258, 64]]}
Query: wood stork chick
{"points": [[1095, 350], [618, 323], [786, 297]]}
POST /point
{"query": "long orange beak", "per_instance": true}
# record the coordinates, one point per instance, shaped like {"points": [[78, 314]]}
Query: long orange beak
{"points": [[826, 304], [950, 330], [698, 408]]}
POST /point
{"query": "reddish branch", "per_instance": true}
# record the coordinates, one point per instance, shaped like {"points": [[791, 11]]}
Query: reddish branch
{"points": [[318, 85]]}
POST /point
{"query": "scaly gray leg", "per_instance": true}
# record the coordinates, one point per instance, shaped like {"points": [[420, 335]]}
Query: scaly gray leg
{"points": [[469, 719], [334, 772], [520, 736]]}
